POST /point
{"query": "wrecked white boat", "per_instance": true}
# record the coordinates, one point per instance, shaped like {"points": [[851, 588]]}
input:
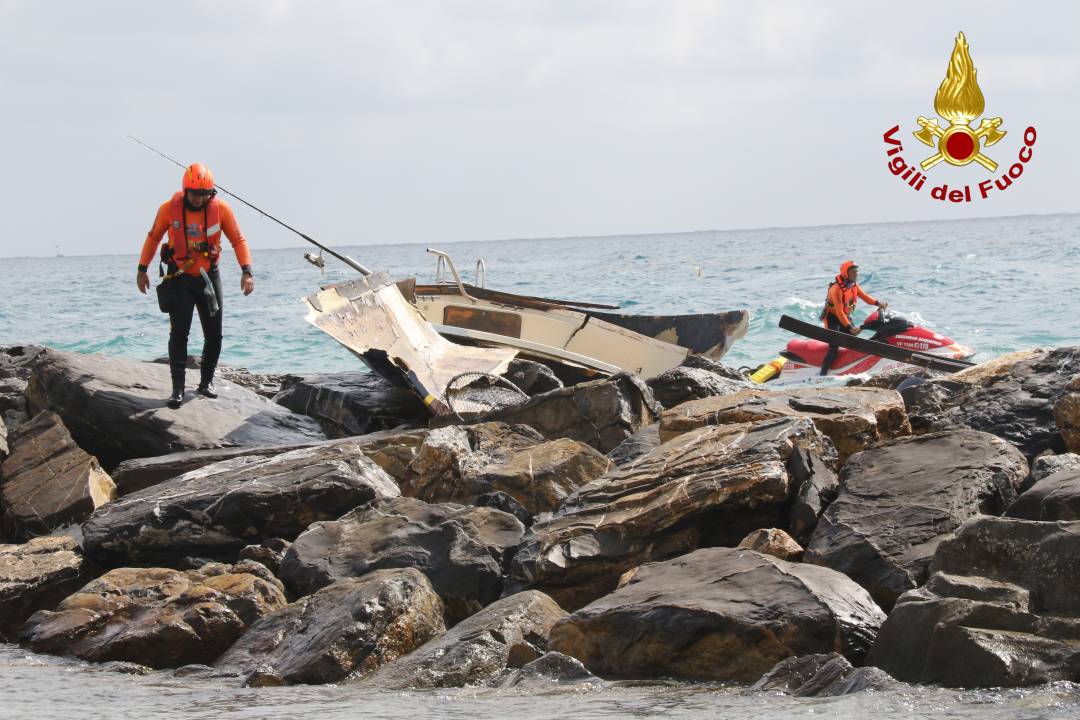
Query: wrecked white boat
{"points": [[403, 331]]}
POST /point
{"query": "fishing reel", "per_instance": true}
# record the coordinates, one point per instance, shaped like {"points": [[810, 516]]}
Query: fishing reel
{"points": [[316, 260]]}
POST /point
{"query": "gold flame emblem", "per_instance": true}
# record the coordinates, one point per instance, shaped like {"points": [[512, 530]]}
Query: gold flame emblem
{"points": [[959, 100]]}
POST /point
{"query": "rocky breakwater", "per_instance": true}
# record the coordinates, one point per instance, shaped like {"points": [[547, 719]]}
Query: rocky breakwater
{"points": [[217, 510], [462, 550], [896, 502], [115, 410], [1013, 397], [719, 614], [157, 617], [711, 486], [853, 418], [1001, 608]]}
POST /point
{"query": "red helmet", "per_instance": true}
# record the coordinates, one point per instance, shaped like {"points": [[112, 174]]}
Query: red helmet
{"points": [[198, 177]]}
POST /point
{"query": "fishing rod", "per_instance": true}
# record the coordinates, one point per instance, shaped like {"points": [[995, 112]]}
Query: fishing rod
{"points": [[318, 262]]}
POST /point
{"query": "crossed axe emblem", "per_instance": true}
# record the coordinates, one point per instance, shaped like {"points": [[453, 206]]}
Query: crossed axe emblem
{"points": [[958, 144]]}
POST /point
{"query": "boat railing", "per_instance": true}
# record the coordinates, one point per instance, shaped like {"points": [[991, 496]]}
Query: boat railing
{"points": [[480, 276], [442, 264]]}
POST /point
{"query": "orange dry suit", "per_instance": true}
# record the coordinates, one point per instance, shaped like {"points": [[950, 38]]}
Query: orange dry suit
{"points": [[842, 297], [195, 235]]}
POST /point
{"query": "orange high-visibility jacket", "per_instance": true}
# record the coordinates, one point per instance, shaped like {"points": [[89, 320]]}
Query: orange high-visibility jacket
{"points": [[187, 228], [841, 302]]}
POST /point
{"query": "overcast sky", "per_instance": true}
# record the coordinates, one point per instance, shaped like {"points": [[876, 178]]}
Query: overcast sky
{"points": [[411, 121]]}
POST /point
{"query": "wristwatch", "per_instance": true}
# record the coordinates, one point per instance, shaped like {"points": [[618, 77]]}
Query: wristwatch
{"points": [[246, 270]]}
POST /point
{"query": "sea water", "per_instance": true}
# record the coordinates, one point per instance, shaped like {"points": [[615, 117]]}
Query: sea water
{"points": [[996, 285]]}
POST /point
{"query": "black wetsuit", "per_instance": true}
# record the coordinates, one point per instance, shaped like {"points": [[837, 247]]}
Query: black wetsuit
{"points": [[188, 294], [834, 324]]}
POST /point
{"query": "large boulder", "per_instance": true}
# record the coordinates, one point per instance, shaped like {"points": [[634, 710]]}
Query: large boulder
{"points": [[711, 486], [1012, 398], [157, 617], [1000, 609], [349, 628], [459, 464], [36, 576], [16, 364], [719, 614], [1067, 415], [600, 413], [477, 649], [48, 481], [1054, 497], [853, 418], [216, 511], [461, 549], [1046, 465], [898, 501], [392, 450], [115, 410], [351, 403], [681, 384]]}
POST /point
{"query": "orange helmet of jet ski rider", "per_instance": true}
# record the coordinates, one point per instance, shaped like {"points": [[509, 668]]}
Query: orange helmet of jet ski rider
{"points": [[198, 177]]}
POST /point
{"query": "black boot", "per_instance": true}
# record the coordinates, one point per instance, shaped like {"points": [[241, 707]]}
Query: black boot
{"points": [[206, 384], [176, 398]]}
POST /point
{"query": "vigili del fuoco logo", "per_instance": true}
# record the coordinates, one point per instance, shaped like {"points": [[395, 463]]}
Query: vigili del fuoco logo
{"points": [[959, 101]]}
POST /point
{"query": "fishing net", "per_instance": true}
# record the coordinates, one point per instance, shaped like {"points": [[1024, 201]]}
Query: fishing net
{"points": [[475, 393]]}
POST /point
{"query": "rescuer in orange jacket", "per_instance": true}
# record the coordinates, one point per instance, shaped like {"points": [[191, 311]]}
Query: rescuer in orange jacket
{"points": [[844, 291], [194, 220]]}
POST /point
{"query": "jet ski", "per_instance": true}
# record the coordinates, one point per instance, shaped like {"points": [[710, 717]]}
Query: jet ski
{"points": [[801, 360]]}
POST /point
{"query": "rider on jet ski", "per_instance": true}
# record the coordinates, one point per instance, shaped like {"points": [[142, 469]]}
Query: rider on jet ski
{"points": [[844, 291]]}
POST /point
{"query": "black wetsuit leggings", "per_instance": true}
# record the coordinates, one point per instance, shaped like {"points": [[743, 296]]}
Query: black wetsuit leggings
{"points": [[830, 356], [188, 295]]}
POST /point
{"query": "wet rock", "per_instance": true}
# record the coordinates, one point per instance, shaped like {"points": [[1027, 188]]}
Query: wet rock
{"points": [[351, 403], [392, 450], [822, 676], [600, 413], [708, 487], [216, 511], [36, 576], [269, 553], [681, 384], [1067, 414], [817, 486], [701, 362], [501, 501], [115, 410], [350, 627], [891, 379], [16, 363], [775, 542], [4, 449], [550, 668], [897, 501], [157, 617], [125, 668], [461, 549], [719, 614], [853, 418], [1045, 465], [640, 443], [459, 464], [1000, 609], [48, 481], [1012, 399], [532, 378], [1055, 497], [477, 649]]}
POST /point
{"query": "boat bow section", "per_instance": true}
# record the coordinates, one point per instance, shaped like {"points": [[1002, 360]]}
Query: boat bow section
{"points": [[373, 319]]}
